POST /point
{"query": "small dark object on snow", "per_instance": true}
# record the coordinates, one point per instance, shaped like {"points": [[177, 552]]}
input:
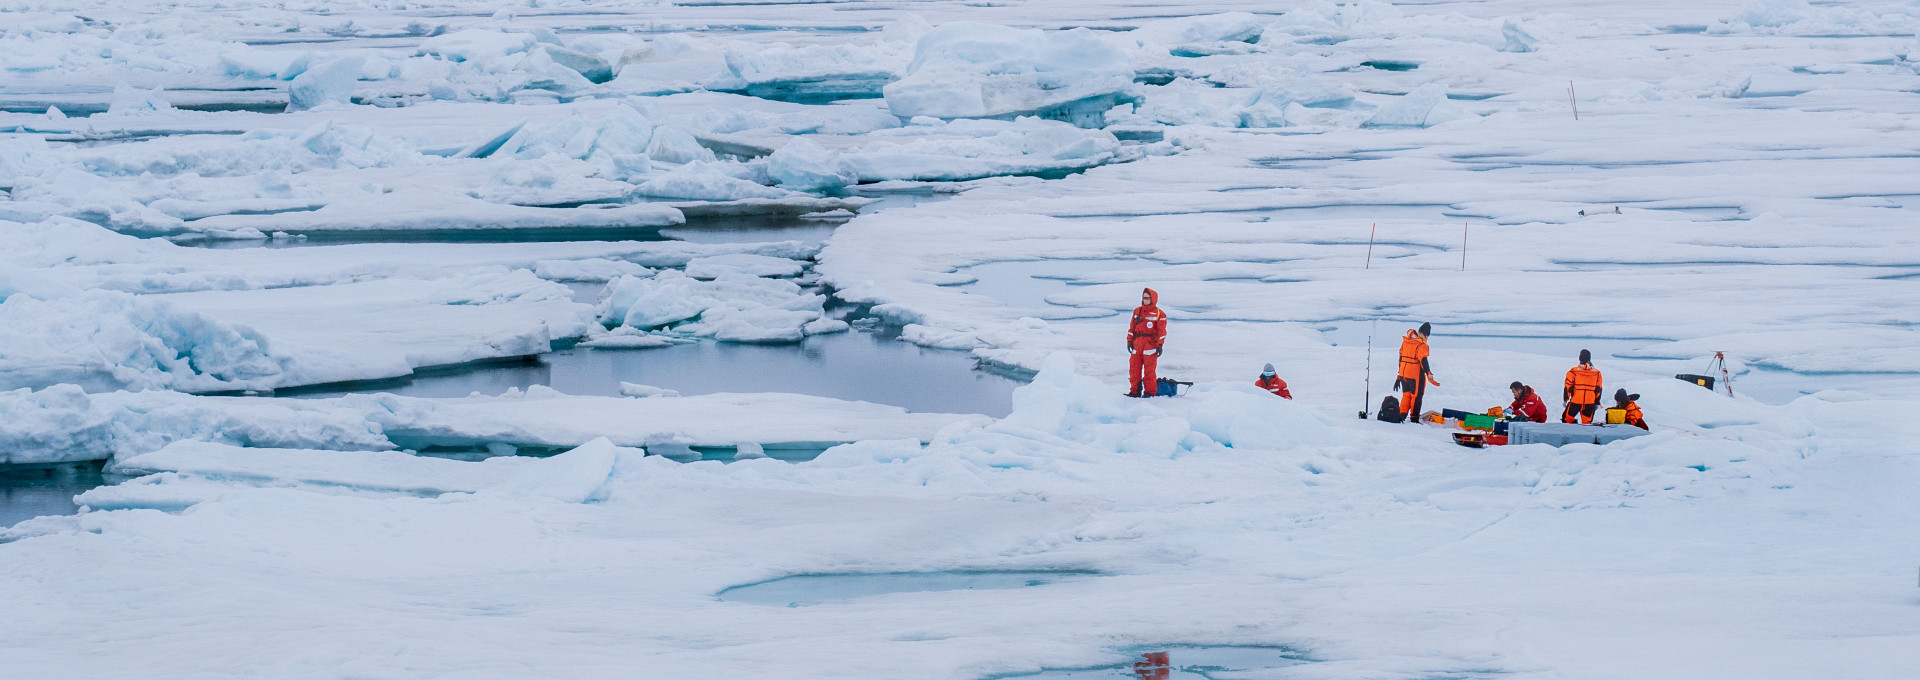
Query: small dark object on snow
{"points": [[1390, 410]]}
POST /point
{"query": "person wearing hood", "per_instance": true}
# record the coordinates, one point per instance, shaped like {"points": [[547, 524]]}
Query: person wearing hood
{"points": [[1415, 372], [1146, 333], [1271, 382], [1527, 404], [1582, 392], [1630, 404]]}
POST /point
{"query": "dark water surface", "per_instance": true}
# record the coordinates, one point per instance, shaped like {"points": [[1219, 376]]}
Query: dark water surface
{"points": [[29, 492], [871, 366]]}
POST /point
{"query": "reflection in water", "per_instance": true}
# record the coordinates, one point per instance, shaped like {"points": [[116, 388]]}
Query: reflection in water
{"points": [[34, 492], [859, 366]]}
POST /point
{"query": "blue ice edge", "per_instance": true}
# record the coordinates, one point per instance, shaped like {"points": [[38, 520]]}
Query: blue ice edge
{"points": [[801, 590]]}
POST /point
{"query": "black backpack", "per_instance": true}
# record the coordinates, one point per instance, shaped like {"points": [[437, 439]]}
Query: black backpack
{"points": [[1390, 410]]}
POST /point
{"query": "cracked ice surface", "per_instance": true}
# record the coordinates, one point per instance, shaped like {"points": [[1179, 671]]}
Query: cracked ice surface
{"points": [[1742, 177]]}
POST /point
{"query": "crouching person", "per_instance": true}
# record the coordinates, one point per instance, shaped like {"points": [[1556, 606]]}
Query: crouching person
{"points": [[1630, 404], [1527, 404], [1271, 382]]}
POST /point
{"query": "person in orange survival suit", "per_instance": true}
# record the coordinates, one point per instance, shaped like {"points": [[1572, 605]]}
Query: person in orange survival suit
{"points": [[1271, 382], [1630, 404], [1582, 392], [1145, 336], [1415, 372]]}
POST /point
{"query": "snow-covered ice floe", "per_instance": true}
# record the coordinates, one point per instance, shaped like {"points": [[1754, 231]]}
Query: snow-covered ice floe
{"points": [[63, 424], [1293, 514], [1656, 181], [720, 298], [88, 306]]}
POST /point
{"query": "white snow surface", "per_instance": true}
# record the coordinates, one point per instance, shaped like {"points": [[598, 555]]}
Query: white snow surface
{"points": [[1378, 549], [1741, 177]]}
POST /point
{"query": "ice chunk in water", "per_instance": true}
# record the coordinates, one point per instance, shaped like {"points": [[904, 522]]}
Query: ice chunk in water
{"points": [[802, 165], [967, 69], [742, 263], [331, 82], [128, 99], [645, 391], [705, 181], [1411, 110], [733, 307], [676, 145], [476, 45]]}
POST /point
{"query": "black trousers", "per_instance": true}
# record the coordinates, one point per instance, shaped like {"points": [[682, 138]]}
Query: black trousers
{"points": [[1584, 411]]}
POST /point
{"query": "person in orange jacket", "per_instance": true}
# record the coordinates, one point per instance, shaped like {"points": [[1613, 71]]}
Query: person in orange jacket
{"points": [[1582, 392], [1527, 404], [1630, 402], [1146, 334], [1415, 372], [1271, 382]]}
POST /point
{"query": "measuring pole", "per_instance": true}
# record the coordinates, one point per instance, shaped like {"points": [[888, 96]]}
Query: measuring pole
{"points": [[1726, 377], [1367, 402], [1572, 102], [1370, 233], [1463, 246]]}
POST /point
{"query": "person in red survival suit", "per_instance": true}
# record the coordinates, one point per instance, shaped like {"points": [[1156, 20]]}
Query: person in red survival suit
{"points": [[1527, 404], [1271, 382], [1145, 336]]}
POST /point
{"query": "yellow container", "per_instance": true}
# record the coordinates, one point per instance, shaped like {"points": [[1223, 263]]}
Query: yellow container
{"points": [[1616, 416]]}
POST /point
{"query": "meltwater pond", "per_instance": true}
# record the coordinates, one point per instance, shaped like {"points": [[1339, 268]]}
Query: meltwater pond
{"points": [[860, 366]]}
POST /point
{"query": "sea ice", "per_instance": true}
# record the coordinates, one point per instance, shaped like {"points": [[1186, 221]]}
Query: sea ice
{"points": [[973, 70]]}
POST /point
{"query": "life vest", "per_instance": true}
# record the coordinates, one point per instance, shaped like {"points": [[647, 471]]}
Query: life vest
{"points": [[1148, 321], [1583, 385], [1413, 355]]}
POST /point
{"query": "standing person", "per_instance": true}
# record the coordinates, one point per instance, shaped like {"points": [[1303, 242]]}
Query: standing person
{"points": [[1582, 392], [1415, 372], [1527, 404], [1145, 336], [1271, 382], [1630, 403]]}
